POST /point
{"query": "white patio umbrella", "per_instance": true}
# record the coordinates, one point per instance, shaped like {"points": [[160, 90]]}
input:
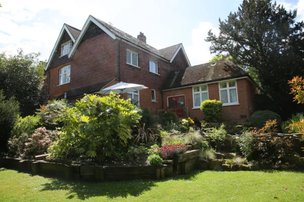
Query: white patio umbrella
{"points": [[123, 87]]}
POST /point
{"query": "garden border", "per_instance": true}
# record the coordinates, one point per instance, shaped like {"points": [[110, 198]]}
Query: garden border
{"points": [[183, 164]]}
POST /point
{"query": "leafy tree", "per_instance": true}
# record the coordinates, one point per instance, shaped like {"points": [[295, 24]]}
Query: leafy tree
{"points": [[266, 37], [220, 57], [22, 77], [297, 89], [9, 111]]}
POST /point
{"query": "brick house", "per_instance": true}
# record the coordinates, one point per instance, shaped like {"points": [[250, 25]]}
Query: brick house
{"points": [[100, 55]]}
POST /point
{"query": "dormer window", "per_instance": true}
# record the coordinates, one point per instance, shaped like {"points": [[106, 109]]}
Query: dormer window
{"points": [[66, 48]]}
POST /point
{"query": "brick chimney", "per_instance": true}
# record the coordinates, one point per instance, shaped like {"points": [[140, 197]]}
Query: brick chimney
{"points": [[142, 37]]}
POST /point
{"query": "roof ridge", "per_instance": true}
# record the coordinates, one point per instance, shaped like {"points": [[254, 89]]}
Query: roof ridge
{"points": [[171, 46], [70, 26], [117, 29]]}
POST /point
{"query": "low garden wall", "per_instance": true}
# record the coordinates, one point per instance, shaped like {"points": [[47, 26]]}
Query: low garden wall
{"points": [[185, 163]]}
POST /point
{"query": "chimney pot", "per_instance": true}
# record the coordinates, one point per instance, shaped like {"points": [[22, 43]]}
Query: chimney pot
{"points": [[142, 37]]}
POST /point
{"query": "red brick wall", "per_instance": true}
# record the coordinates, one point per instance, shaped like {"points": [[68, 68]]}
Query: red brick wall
{"points": [[142, 75], [93, 62], [54, 89], [235, 113], [57, 59]]}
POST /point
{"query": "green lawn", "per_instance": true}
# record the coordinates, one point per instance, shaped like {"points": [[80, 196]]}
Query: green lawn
{"points": [[203, 186]]}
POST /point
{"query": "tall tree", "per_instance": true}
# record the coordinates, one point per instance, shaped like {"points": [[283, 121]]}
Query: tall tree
{"points": [[21, 76], [266, 37]]}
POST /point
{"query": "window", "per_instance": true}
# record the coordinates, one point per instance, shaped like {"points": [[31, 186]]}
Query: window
{"points": [[200, 93], [66, 48], [153, 67], [153, 95], [134, 96], [65, 75], [132, 58], [228, 93]]}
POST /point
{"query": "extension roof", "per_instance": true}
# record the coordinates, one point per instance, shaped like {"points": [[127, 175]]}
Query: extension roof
{"points": [[204, 73]]}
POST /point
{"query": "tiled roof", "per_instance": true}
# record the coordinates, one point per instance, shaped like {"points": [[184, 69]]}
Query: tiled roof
{"points": [[129, 38], [74, 31], [204, 73], [169, 52]]}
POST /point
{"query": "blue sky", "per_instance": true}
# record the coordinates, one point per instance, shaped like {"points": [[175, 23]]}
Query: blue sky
{"points": [[34, 25]]}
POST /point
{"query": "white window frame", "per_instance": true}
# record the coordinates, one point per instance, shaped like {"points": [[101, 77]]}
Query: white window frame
{"points": [[65, 75], [66, 48], [200, 92], [228, 88], [132, 63], [131, 96], [153, 67], [153, 95]]}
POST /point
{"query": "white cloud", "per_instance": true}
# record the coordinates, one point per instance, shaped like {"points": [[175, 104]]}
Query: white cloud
{"points": [[300, 8], [198, 50]]}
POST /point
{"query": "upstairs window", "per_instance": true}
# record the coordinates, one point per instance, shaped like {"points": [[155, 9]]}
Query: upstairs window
{"points": [[134, 96], [66, 48], [153, 67], [200, 93], [228, 93], [132, 58], [153, 95], [64, 75]]}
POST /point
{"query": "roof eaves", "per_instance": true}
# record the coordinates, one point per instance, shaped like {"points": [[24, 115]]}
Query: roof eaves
{"points": [[84, 30], [181, 47], [207, 82], [64, 28]]}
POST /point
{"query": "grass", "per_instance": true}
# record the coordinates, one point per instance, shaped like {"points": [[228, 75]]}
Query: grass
{"points": [[203, 186]]}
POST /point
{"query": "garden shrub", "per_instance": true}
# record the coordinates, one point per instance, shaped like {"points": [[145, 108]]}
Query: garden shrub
{"points": [[212, 110], [96, 127], [246, 142], [22, 130], [216, 136], [39, 142], [52, 113], [207, 154], [167, 118], [169, 138], [154, 149], [135, 153], [186, 124], [269, 127], [9, 111], [144, 135], [148, 118], [169, 151], [295, 124], [275, 151], [155, 160], [259, 118], [196, 140], [25, 125]]}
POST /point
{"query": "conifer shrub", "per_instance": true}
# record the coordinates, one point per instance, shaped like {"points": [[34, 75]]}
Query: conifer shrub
{"points": [[212, 110]]}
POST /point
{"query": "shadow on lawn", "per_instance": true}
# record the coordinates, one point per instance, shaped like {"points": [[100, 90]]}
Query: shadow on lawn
{"points": [[84, 190]]}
